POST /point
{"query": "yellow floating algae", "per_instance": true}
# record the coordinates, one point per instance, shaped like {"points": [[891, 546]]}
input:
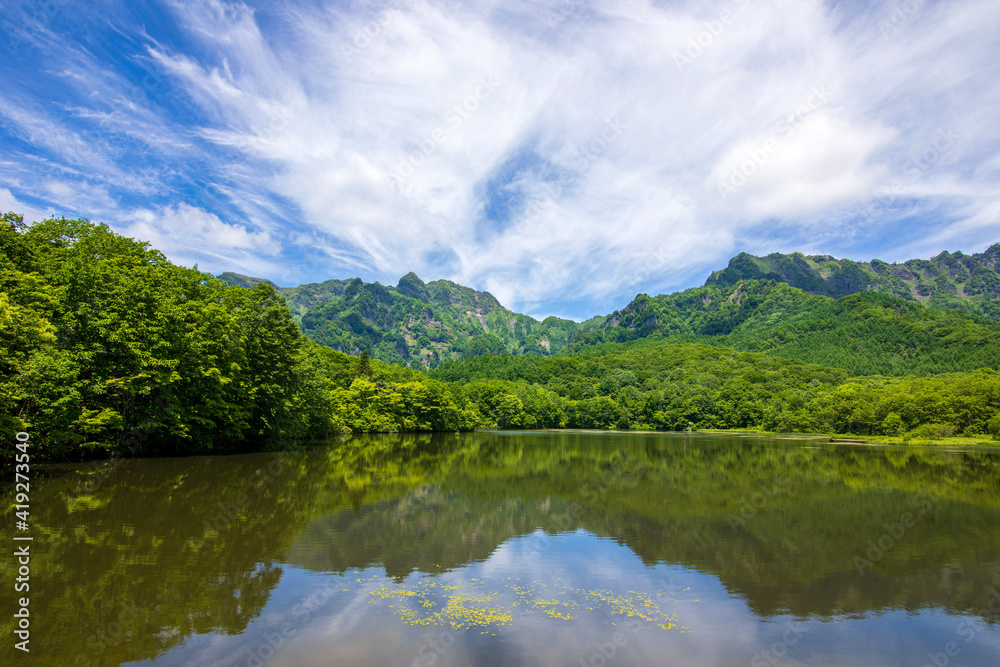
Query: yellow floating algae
{"points": [[477, 608], [461, 612]]}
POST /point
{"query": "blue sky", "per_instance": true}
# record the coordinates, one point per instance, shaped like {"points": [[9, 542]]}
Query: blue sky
{"points": [[564, 155]]}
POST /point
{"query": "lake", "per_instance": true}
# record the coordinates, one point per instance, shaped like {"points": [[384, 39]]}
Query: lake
{"points": [[522, 548]]}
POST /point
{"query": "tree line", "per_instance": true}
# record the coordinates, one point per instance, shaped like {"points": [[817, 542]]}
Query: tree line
{"points": [[108, 347], [674, 386]]}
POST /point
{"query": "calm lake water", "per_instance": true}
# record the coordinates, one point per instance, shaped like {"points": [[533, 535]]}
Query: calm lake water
{"points": [[507, 549]]}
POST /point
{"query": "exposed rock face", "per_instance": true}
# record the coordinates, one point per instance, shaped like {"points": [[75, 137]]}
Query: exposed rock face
{"points": [[949, 280]]}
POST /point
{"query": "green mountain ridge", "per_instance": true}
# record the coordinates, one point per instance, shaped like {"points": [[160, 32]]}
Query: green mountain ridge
{"points": [[238, 280], [949, 280], [867, 333], [921, 316], [413, 323], [109, 348]]}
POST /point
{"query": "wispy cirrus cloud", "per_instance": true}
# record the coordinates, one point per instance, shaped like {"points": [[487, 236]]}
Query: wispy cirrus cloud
{"points": [[562, 154]]}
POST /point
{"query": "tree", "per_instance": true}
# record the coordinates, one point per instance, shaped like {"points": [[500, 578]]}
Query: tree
{"points": [[893, 424], [993, 427], [364, 365]]}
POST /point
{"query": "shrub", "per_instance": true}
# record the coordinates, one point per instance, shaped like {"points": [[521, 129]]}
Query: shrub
{"points": [[930, 432]]}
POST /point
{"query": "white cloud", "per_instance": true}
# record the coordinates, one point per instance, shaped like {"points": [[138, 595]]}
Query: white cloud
{"points": [[10, 204], [822, 162], [191, 235], [383, 133]]}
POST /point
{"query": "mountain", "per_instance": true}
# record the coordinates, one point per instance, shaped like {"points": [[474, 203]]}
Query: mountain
{"points": [[918, 317], [867, 333], [238, 280], [949, 280], [414, 323]]}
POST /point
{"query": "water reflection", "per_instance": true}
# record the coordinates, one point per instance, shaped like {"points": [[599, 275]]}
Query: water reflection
{"points": [[523, 548]]}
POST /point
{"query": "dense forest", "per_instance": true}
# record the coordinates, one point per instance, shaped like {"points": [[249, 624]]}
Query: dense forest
{"points": [[665, 386], [953, 281], [424, 325], [110, 349], [413, 323], [867, 333]]}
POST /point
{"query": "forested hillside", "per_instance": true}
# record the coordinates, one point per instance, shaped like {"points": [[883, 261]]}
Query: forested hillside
{"points": [[415, 324], [788, 305], [105, 337], [949, 280], [110, 349], [666, 386], [867, 333]]}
